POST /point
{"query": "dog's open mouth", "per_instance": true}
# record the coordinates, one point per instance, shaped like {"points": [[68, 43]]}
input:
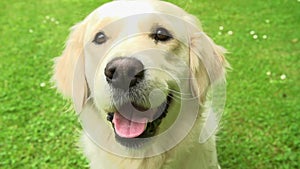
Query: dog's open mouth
{"points": [[131, 122]]}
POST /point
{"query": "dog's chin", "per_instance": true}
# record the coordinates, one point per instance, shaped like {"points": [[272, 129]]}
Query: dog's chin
{"points": [[133, 130]]}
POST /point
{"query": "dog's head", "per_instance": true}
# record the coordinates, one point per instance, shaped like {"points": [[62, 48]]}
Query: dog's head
{"points": [[137, 61]]}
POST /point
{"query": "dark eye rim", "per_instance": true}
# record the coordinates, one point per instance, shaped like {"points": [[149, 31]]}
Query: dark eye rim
{"points": [[101, 41], [167, 35]]}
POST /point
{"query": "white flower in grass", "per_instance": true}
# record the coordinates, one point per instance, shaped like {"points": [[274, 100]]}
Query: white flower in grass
{"points": [[230, 32], [221, 28], [56, 22], [219, 33], [252, 32], [283, 77], [30, 31], [265, 37], [268, 21], [255, 36], [47, 17], [269, 73], [43, 84]]}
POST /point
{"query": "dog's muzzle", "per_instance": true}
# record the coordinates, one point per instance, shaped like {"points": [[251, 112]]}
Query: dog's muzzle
{"points": [[131, 121]]}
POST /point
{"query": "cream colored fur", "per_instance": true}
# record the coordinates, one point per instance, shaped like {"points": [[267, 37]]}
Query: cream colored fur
{"points": [[204, 57]]}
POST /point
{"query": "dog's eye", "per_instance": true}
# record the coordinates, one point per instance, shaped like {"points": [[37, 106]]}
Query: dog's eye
{"points": [[100, 38], [161, 34]]}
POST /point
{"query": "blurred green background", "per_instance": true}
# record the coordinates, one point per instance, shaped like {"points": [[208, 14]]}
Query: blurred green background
{"points": [[261, 124]]}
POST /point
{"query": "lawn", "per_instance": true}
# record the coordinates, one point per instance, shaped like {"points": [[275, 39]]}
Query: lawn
{"points": [[261, 123]]}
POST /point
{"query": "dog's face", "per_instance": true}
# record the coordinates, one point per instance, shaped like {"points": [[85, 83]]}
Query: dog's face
{"points": [[138, 61]]}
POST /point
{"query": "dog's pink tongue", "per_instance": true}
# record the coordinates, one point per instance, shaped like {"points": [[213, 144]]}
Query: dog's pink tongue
{"points": [[128, 128]]}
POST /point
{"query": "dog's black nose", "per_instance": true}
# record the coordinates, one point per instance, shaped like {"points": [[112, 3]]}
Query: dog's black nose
{"points": [[124, 72]]}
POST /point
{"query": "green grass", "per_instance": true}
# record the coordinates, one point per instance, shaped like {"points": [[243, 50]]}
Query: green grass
{"points": [[261, 124]]}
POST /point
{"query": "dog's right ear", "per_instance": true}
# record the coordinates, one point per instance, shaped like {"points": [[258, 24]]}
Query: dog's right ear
{"points": [[69, 76]]}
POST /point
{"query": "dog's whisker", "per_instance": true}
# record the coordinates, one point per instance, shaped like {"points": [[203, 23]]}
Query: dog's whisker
{"points": [[175, 98], [109, 136], [177, 92]]}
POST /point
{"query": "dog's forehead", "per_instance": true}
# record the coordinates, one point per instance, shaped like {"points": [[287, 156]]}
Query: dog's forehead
{"points": [[121, 9], [133, 16]]}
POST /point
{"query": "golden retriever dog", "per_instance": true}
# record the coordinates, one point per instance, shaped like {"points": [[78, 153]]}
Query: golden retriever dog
{"points": [[147, 84]]}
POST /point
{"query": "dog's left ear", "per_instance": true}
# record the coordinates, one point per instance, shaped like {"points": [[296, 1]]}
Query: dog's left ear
{"points": [[69, 76], [207, 61], [208, 66]]}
